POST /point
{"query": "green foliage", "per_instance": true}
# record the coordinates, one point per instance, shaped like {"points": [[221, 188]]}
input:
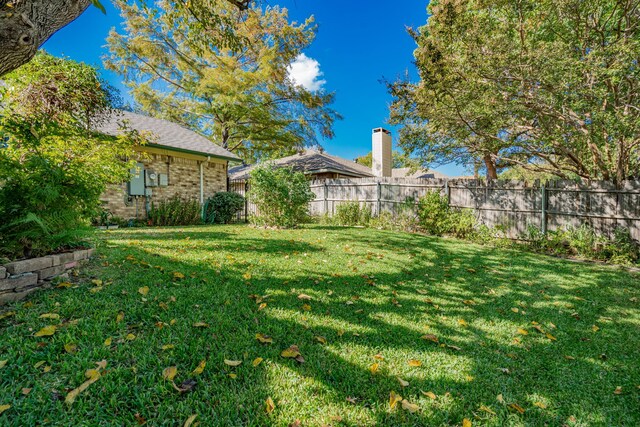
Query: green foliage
{"points": [[52, 168], [352, 214], [548, 85], [281, 196], [222, 207], [222, 71], [434, 213], [400, 160], [175, 211]]}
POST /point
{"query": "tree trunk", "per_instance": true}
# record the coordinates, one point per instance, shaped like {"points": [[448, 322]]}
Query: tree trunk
{"points": [[492, 171], [27, 24]]}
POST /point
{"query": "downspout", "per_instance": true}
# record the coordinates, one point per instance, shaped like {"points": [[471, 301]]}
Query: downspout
{"points": [[202, 187]]}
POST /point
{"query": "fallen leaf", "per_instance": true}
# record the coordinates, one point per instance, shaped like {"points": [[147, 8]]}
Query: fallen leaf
{"points": [[378, 357], [257, 361], [269, 405], [246, 276], [469, 302], [54, 316], [3, 363], [26, 391], [186, 386], [431, 395], [551, 337], [200, 368], [120, 316], [64, 285], [140, 419], [47, 331], [178, 275], [130, 337], [415, 363], [293, 352], [190, 420], [232, 362], [515, 309], [430, 337], [374, 368], [200, 325], [4, 408], [540, 405], [516, 408], [394, 399], [466, 422], [143, 290], [306, 307], [595, 328], [499, 398], [167, 347], [411, 407], [170, 373], [233, 376], [70, 348], [107, 342], [618, 390], [304, 297], [264, 339], [320, 339], [97, 282], [462, 322], [486, 409], [402, 382], [523, 331], [93, 375]]}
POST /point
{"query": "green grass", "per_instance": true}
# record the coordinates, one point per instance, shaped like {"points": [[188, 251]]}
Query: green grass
{"points": [[373, 292]]}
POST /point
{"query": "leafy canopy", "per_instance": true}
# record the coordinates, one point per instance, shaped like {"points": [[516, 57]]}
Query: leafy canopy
{"points": [[53, 167], [549, 85], [221, 71]]}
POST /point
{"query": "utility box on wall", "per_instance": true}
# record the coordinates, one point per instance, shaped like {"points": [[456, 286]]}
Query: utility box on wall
{"points": [[151, 178], [136, 183], [163, 180]]}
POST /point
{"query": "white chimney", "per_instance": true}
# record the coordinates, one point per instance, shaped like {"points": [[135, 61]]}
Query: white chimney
{"points": [[381, 152]]}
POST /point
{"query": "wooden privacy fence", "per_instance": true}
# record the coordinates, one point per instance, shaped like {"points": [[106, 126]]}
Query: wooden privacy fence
{"points": [[511, 205]]}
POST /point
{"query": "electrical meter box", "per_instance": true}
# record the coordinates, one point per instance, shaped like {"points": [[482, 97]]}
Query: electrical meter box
{"points": [[148, 192], [163, 180], [151, 178], [136, 183]]}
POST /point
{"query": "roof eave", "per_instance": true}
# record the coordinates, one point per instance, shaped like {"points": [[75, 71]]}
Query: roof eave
{"points": [[199, 153]]}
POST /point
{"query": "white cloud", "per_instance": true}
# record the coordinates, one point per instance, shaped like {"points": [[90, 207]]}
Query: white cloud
{"points": [[305, 71]]}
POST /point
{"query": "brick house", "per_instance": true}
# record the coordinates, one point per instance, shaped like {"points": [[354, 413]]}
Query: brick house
{"points": [[177, 161]]}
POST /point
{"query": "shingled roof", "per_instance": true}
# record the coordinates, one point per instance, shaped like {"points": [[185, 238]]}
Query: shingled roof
{"points": [[310, 162], [168, 135]]}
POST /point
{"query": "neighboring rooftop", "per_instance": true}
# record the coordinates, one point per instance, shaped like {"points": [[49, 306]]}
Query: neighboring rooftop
{"points": [[311, 162], [420, 173], [168, 135]]}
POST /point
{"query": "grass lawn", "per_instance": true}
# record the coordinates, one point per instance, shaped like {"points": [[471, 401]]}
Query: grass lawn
{"points": [[522, 339]]}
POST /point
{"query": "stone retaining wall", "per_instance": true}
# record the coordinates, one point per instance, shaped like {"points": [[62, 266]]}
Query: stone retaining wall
{"points": [[20, 278]]}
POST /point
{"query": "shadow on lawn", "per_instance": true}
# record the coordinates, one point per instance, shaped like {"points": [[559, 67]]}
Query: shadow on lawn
{"points": [[480, 285]]}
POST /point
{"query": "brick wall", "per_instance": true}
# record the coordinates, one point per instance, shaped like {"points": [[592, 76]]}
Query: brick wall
{"points": [[184, 180], [20, 278]]}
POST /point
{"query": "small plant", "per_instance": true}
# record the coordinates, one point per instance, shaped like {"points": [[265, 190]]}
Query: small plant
{"points": [[434, 213], [281, 196], [175, 211], [222, 207], [352, 214]]}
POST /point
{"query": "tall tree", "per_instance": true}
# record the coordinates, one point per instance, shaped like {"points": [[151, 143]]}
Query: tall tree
{"points": [[181, 67], [549, 85], [25, 25]]}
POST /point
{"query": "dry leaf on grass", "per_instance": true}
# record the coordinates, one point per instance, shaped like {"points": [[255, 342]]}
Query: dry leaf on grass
{"points": [[269, 406], [4, 408], [431, 395], [233, 363], [257, 361], [394, 399], [264, 339], [411, 407], [170, 373], [200, 368], [293, 352], [190, 420], [47, 331], [414, 363], [402, 382], [92, 375]]}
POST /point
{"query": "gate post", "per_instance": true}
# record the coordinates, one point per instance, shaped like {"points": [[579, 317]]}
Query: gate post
{"points": [[246, 202], [543, 216], [326, 198]]}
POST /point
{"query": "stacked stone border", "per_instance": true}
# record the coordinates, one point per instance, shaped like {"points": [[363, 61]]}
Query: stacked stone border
{"points": [[18, 279]]}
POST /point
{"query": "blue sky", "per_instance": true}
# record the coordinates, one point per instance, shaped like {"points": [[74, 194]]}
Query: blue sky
{"points": [[358, 44]]}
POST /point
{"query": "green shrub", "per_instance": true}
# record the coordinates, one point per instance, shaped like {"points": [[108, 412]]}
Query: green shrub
{"points": [[53, 169], [462, 223], [434, 213], [222, 207], [281, 196], [352, 214], [175, 211]]}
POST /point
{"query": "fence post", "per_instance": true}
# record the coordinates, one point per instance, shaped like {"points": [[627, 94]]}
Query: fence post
{"points": [[326, 198], [379, 198], [447, 191], [246, 202], [543, 216]]}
